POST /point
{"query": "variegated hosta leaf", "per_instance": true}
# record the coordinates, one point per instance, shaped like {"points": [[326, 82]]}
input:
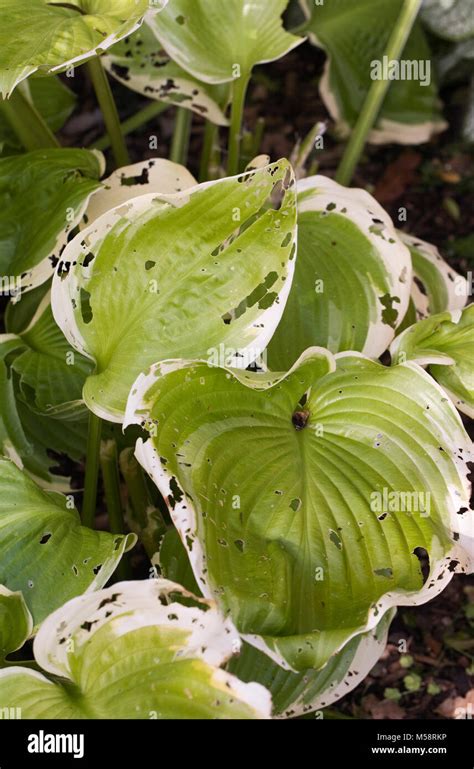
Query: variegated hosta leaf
{"points": [[44, 551], [436, 287], [140, 63], [16, 623], [48, 36], [445, 343], [53, 100], [51, 374], [295, 694], [352, 277], [218, 42], [304, 498], [449, 19], [43, 196], [152, 175], [411, 111], [160, 277], [132, 651]]}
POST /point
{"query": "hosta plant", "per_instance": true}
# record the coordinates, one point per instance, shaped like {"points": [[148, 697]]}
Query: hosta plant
{"points": [[263, 370]]}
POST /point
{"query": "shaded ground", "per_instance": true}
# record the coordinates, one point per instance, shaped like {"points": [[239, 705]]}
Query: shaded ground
{"points": [[427, 669]]}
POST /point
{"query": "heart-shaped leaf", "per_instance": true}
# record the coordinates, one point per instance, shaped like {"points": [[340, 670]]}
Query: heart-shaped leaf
{"points": [[132, 651], [296, 694], [352, 278], [305, 499], [445, 343], [158, 277], [44, 551], [140, 63], [48, 36], [410, 112], [436, 286], [217, 44], [43, 196], [16, 623]]}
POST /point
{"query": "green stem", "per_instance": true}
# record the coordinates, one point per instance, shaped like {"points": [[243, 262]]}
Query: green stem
{"points": [[210, 135], [238, 101], [181, 136], [113, 499], [111, 480], [27, 122], [134, 122], [258, 136], [92, 470], [108, 107], [377, 93]]}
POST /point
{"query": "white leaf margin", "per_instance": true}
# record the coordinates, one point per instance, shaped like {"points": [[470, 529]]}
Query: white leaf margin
{"points": [[110, 40], [364, 212], [456, 285], [148, 603], [184, 515], [63, 288], [387, 131]]}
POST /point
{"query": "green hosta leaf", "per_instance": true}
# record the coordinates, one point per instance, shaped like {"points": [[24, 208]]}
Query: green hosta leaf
{"points": [[53, 100], [44, 551], [132, 651], [51, 375], [16, 623], [445, 343], [218, 43], [159, 277], [153, 175], [43, 196], [295, 694], [303, 498], [352, 278], [436, 287], [410, 112], [449, 19], [48, 36], [140, 63]]}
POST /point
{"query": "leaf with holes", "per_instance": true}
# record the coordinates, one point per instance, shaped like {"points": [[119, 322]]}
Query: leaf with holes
{"points": [[445, 343], [43, 196], [44, 551], [411, 110], [47, 36], [436, 286], [140, 63], [352, 278], [127, 182], [160, 270], [305, 499], [296, 694], [134, 639], [219, 44]]}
